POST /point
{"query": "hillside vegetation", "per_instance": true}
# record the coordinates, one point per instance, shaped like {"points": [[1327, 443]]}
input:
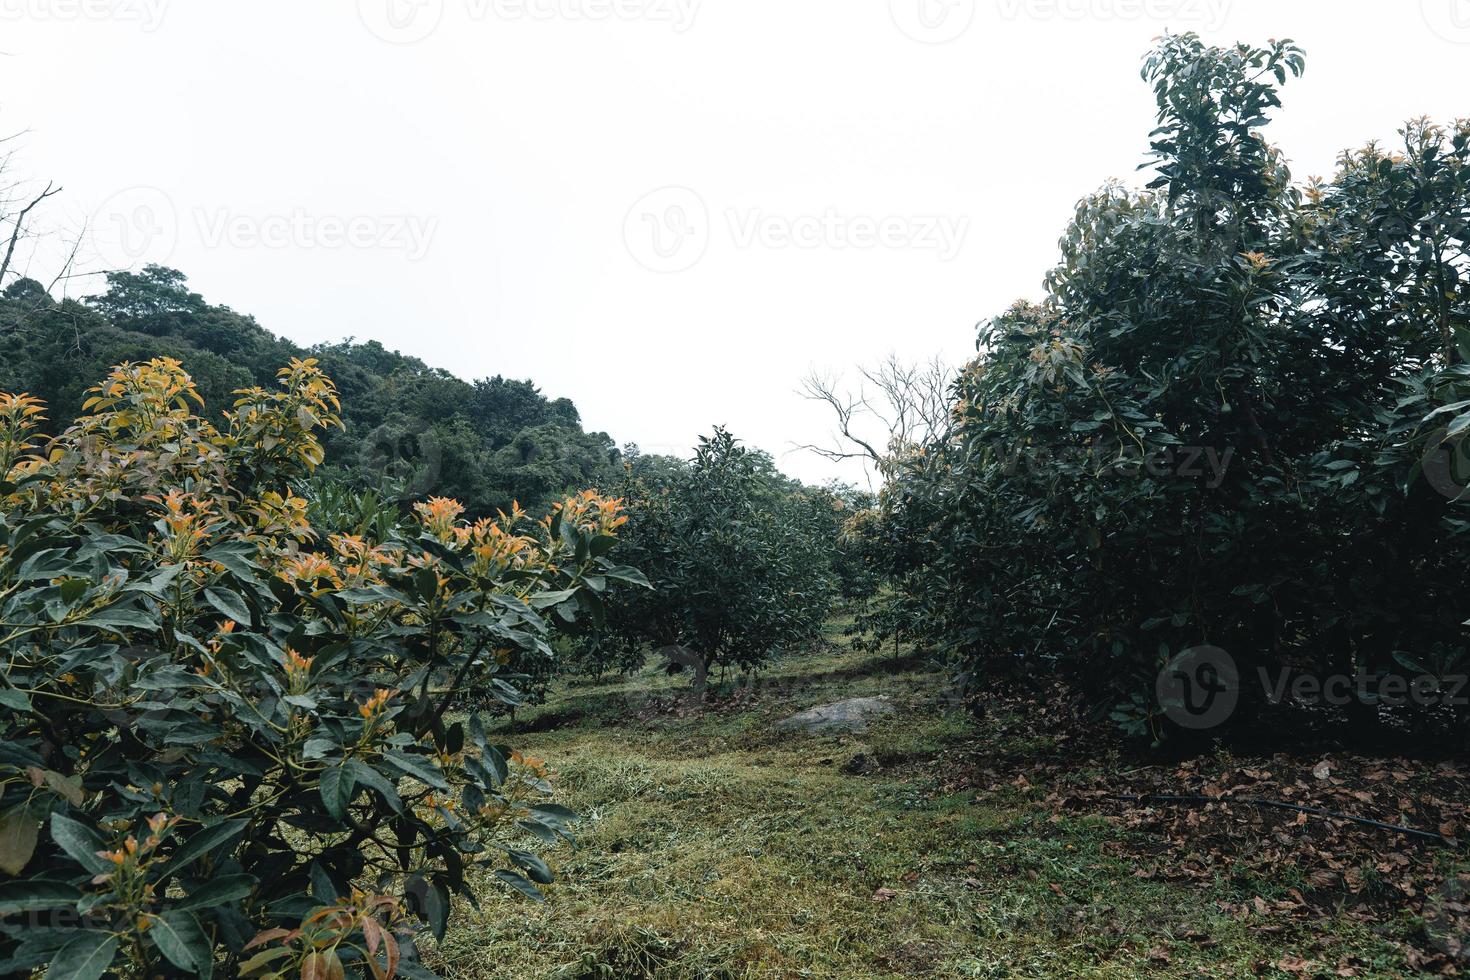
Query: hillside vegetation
{"points": [[409, 431]]}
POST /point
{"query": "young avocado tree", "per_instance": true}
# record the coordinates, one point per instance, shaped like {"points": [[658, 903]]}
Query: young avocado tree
{"points": [[740, 560]]}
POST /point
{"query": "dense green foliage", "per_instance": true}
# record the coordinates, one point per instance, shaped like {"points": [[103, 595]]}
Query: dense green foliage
{"points": [[1211, 431], [409, 430], [742, 560], [223, 744]]}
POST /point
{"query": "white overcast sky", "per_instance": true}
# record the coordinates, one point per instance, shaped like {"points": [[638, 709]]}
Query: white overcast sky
{"points": [[666, 210]]}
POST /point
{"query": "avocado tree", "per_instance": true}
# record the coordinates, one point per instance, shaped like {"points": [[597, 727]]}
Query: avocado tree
{"points": [[1235, 420], [224, 748], [740, 560]]}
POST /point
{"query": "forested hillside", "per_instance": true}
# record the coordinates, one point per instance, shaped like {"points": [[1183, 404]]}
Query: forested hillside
{"points": [[408, 429]]}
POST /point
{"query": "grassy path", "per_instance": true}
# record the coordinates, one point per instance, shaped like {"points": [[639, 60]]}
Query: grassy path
{"points": [[718, 848]]}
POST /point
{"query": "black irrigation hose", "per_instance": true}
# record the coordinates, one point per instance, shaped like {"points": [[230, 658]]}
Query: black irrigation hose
{"points": [[1278, 804]]}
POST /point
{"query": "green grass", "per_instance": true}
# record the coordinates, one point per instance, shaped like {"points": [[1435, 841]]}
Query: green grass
{"points": [[716, 847]]}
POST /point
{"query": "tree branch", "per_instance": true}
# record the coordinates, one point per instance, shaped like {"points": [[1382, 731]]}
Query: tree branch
{"points": [[17, 232]]}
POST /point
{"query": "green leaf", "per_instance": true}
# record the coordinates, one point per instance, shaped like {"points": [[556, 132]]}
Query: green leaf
{"points": [[416, 766], [229, 604], [555, 814], [121, 617], [157, 583], [79, 842], [203, 842], [15, 700], [37, 895], [426, 583], [431, 899], [323, 888], [520, 884], [237, 557], [35, 950], [48, 563], [218, 891], [179, 936], [367, 776], [493, 761], [626, 573], [454, 738], [19, 832], [1462, 341], [337, 787], [541, 600], [86, 957], [533, 865], [73, 589], [318, 747], [539, 830]]}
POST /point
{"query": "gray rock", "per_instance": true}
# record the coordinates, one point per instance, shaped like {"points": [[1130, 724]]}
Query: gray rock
{"points": [[852, 715]]}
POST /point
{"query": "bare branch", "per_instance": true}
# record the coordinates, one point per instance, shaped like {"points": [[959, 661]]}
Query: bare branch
{"points": [[846, 407], [65, 272], [908, 402], [19, 229]]}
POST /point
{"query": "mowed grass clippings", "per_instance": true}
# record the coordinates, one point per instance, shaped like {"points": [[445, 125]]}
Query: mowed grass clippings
{"points": [[716, 847]]}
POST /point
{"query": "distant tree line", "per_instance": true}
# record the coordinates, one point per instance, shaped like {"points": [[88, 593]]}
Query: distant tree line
{"points": [[409, 430]]}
